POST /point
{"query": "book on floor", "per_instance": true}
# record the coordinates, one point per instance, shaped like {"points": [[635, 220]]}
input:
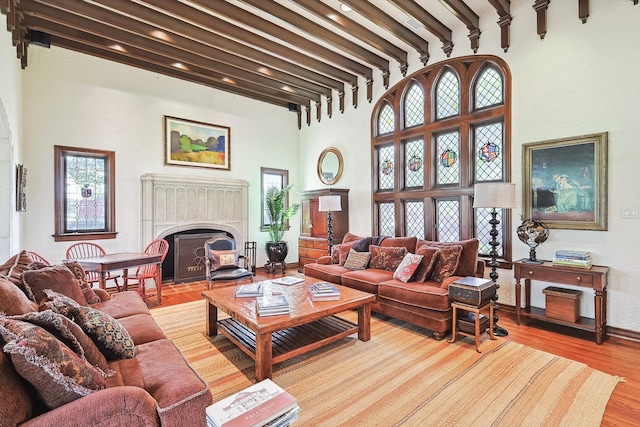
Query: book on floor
{"points": [[287, 280], [261, 404]]}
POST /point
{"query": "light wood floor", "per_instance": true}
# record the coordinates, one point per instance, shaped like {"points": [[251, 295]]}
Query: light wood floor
{"points": [[616, 356]]}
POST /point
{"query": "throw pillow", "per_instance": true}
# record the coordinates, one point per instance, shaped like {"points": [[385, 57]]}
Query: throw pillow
{"points": [[13, 300], [362, 245], [57, 278], [15, 266], [344, 249], [386, 258], [107, 333], [429, 257], [468, 257], [407, 267], [17, 401], [447, 262], [221, 260], [357, 260], [335, 254], [59, 303], [81, 277], [58, 375]]}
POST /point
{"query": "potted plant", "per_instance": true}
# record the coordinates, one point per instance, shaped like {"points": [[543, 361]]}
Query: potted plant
{"points": [[278, 214]]}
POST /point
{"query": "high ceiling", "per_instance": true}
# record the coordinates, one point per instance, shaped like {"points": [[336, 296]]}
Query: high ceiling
{"points": [[297, 54]]}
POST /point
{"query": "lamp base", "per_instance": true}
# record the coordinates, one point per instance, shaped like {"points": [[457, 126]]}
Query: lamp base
{"points": [[532, 261], [499, 331]]}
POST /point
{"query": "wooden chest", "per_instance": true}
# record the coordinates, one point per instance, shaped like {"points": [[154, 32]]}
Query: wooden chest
{"points": [[474, 291], [562, 304]]}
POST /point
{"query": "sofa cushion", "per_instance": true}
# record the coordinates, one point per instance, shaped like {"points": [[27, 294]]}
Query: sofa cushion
{"points": [[81, 277], [366, 280], [407, 267], [408, 242], [468, 258], [13, 300], [16, 406], [107, 333], [15, 266], [142, 328], [326, 272], [429, 257], [386, 258], [446, 263], [123, 304], [349, 237], [58, 375], [424, 295], [57, 278], [357, 260]]}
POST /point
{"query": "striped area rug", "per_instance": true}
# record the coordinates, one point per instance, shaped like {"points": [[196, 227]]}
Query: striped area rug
{"points": [[403, 377]]}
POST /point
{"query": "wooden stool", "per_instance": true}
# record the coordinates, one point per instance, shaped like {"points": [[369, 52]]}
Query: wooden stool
{"points": [[477, 311]]}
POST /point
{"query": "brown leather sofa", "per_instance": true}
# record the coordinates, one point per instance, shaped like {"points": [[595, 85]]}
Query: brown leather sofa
{"points": [[425, 304], [157, 387]]}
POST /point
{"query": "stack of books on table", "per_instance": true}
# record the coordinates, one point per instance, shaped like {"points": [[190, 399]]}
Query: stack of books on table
{"points": [[255, 290], [324, 291], [287, 280], [272, 305], [262, 404], [581, 259]]}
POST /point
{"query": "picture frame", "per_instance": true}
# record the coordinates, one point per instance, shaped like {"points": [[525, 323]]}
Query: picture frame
{"points": [[565, 182], [21, 184], [199, 144]]}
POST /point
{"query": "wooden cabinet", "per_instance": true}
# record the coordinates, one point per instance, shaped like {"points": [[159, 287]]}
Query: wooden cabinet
{"points": [[312, 243], [594, 278]]}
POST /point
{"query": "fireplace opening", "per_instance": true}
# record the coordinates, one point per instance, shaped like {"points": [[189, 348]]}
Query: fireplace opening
{"points": [[184, 261]]}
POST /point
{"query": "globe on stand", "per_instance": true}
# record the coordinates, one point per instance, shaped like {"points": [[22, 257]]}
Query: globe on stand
{"points": [[532, 233]]}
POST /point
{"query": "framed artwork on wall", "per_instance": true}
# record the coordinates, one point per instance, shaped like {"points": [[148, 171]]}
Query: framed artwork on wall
{"points": [[565, 182], [191, 143]]}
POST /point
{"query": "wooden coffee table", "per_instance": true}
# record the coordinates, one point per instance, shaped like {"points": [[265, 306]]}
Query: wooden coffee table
{"points": [[273, 339]]}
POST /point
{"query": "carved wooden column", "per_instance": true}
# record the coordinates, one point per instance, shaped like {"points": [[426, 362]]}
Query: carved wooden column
{"points": [[540, 6]]}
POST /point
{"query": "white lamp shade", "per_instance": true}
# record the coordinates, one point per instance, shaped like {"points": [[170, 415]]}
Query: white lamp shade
{"points": [[329, 203], [494, 195]]}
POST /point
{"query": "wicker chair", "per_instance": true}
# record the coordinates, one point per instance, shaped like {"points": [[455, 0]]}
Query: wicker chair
{"points": [[87, 250], [37, 257]]}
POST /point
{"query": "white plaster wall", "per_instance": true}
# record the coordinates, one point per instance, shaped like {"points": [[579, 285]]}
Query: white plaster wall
{"points": [[581, 79], [10, 152], [80, 101]]}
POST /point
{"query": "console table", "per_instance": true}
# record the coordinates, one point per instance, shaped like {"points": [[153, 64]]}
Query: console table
{"points": [[594, 278]]}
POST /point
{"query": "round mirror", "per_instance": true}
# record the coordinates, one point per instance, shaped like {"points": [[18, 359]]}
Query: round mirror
{"points": [[330, 166]]}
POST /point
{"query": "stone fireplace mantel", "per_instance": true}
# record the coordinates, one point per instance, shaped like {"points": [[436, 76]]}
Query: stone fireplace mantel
{"points": [[173, 203]]}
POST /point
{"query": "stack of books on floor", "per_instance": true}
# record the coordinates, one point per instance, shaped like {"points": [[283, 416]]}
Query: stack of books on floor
{"points": [[324, 291], [581, 259], [272, 305], [264, 404]]}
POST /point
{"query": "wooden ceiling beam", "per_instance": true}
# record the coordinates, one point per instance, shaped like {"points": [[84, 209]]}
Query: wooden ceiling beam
{"points": [[351, 27], [468, 17], [503, 7], [381, 19], [430, 22]]}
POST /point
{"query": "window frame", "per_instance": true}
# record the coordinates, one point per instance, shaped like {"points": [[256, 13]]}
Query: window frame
{"points": [[60, 194], [284, 181]]}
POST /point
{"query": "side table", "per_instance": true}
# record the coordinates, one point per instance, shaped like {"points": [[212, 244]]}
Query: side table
{"points": [[477, 310]]}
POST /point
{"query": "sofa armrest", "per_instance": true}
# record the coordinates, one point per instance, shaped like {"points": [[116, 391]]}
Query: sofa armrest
{"points": [[480, 266], [115, 406], [102, 294], [326, 260]]}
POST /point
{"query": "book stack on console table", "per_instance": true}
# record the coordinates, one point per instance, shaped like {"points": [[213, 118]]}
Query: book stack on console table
{"points": [[324, 291], [264, 404], [580, 259]]}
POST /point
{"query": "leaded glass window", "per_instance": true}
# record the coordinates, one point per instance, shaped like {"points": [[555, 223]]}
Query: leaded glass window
{"points": [[414, 219], [489, 88], [414, 163], [489, 148], [414, 106], [447, 96], [386, 166], [448, 151], [483, 230], [386, 219], [386, 122]]}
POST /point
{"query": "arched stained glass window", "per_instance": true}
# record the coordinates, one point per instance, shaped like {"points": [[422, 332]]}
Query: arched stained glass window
{"points": [[489, 88], [386, 121], [414, 106], [447, 96]]}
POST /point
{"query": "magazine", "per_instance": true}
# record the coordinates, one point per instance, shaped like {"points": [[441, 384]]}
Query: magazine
{"points": [[288, 280]]}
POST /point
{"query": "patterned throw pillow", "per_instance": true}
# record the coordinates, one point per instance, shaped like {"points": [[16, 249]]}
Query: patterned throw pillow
{"points": [[386, 258], [357, 260], [13, 300], [81, 277], [447, 262], [57, 278], [58, 375], [429, 257], [221, 260], [407, 267], [107, 333], [344, 249], [15, 266], [58, 303]]}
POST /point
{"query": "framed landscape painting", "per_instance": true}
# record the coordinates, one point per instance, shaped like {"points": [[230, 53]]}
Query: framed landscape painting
{"points": [[191, 143], [565, 182]]}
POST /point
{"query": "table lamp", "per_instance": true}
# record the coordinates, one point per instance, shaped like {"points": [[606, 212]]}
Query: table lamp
{"points": [[495, 195], [328, 204]]}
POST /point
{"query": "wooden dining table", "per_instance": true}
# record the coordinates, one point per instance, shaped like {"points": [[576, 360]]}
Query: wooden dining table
{"points": [[123, 261]]}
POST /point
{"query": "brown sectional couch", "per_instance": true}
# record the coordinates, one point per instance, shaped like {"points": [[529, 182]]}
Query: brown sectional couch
{"points": [[426, 304], [157, 387]]}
